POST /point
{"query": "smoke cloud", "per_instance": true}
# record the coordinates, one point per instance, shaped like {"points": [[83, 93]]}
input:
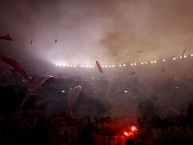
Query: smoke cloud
{"points": [[110, 31]]}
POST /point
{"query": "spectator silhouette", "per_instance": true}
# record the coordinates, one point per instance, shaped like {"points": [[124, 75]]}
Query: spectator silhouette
{"points": [[130, 142]]}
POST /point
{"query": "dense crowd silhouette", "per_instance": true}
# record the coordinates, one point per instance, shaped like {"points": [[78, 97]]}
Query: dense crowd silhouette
{"points": [[38, 117]]}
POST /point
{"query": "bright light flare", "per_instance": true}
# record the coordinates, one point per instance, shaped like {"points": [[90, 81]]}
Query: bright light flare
{"points": [[125, 133], [128, 134], [133, 128]]}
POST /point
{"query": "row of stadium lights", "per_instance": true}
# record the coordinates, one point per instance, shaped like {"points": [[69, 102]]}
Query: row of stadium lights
{"points": [[63, 91], [120, 65]]}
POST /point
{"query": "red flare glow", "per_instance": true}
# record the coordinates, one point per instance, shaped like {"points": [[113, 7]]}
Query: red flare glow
{"points": [[125, 133], [133, 128]]}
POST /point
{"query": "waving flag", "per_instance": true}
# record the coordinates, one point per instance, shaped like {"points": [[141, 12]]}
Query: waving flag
{"points": [[99, 67], [2, 69], [37, 82], [42, 101], [15, 65], [183, 53], [6, 37], [72, 96]]}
